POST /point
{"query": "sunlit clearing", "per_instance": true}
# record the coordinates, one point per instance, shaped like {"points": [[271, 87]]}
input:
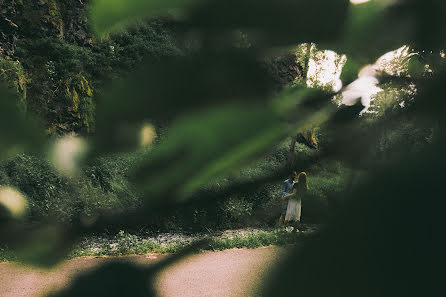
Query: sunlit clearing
{"points": [[147, 135], [325, 68], [358, 1], [67, 154], [395, 62], [13, 201], [366, 86]]}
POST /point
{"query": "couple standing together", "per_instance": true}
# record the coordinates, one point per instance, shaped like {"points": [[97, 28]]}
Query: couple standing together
{"points": [[292, 193]]}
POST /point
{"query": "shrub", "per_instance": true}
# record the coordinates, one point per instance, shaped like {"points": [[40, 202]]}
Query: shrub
{"points": [[50, 194], [103, 185]]}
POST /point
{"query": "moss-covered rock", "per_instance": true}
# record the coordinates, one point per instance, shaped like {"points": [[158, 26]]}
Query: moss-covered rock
{"points": [[80, 105]]}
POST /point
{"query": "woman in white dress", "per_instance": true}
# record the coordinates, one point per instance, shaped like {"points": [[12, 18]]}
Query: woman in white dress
{"points": [[294, 207]]}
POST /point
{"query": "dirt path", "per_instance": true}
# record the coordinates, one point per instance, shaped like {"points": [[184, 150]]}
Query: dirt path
{"points": [[233, 272]]}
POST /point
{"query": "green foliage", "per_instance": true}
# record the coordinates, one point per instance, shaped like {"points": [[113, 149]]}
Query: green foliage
{"points": [[115, 13], [252, 16], [254, 240], [210, 154], [79, 98], [52, 196], [236, 208], [124, 243], [59, 92], [58, 70], [23, 133], [225, 114], [13, 77], [409, 136]]}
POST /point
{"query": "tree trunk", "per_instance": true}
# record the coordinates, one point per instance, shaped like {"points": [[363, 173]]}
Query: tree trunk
{"points": [[291, 152]]}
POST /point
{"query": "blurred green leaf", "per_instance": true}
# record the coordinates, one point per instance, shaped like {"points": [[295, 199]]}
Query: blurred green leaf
{"points": [[427, 22], [112, 279], [364, 24], [107, 15], [351, 69], [370, 30], [373, 247], [18, 133], [207, 144], [173, 86], [379, 26], [278, 23], [415, 67], [44, 245], [124, 278]]}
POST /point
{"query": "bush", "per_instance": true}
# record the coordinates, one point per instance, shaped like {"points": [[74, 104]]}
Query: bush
{"points": [[103, 186], [235, 209], [50, 194]]}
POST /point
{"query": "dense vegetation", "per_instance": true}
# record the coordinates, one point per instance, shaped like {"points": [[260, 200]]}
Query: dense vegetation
{"points": [[204, 75], [64, 77]]}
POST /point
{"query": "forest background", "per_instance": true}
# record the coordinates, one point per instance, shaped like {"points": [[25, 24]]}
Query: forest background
{"points": [[50, 59], [228, 87]]}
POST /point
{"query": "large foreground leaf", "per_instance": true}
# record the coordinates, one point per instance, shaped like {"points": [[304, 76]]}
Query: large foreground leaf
{"points": [[379, 26], [207, 144], [384, 241], [44, 245], [281, 22], [170, 87], [109, 14], [213, 142], [278, 23], [17, 132]]}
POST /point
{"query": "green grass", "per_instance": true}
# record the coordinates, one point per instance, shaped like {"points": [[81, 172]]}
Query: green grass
{"points": [[263, 238], [6, 255], [132, 245], [129, 244]]}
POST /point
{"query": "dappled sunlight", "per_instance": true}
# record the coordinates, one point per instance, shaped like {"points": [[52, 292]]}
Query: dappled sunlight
{"points": [[395, 62], [325, 68]]}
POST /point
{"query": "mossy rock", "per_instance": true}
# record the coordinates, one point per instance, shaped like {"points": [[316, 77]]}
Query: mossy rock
{"points": [[80, 105]]}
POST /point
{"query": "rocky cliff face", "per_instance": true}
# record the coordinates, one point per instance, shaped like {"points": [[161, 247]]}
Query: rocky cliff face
{"points": [[39, 44], [22, 19]]}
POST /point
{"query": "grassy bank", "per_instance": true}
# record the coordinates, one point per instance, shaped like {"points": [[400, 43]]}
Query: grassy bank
{"points": [[130, 244], [124, 243]]}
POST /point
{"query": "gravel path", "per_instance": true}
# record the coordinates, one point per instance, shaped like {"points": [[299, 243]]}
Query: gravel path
{"points": [[228, 273]]}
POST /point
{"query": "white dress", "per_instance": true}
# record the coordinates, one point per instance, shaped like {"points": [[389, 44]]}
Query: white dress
{"points": [[294, 209]]}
